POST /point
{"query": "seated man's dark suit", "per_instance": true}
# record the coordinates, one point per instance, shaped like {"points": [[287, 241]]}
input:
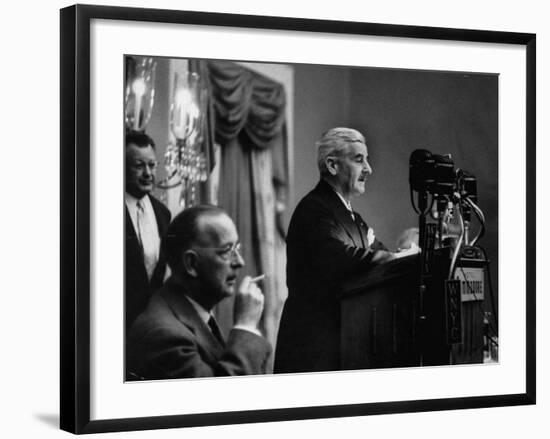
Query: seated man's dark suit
{"points": [[169, 340], [324, 246], [138, 288]]}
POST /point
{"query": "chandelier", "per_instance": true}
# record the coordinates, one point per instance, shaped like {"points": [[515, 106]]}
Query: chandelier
{"points": [[140, 92], [184, 159]]}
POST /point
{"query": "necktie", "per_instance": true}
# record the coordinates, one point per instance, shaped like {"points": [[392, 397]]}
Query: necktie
{"points": [[146, 234], [350, 210], [140, 212], [216, 330]]}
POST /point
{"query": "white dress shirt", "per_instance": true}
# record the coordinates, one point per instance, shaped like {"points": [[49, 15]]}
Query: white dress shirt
{"points": [[346, 203], [370, 231], [146, 228]]}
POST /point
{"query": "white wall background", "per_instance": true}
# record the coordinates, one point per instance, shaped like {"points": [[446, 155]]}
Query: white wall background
{"points": [[29, 277]]}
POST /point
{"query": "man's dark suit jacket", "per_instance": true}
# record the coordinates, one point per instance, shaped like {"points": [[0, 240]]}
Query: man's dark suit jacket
{"points": [[324, 247], [169, 340], [138, 288]]}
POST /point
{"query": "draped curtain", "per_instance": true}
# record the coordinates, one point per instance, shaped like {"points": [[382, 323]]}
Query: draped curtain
{"points": [[248, 112]]}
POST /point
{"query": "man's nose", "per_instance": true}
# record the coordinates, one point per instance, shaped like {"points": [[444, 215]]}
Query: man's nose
{"points": [[366, 168], [237, 261], [148, 170]]}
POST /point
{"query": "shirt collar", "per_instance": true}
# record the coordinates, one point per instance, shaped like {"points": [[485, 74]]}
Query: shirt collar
{"points": [[132, 201], [346, 202]]}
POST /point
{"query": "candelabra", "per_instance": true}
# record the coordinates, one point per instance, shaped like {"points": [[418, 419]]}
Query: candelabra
{"points": [[184, 159], [140, 92]]}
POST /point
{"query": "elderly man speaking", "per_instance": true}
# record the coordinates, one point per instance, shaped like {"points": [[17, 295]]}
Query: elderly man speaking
{"points": [[327, 241]]}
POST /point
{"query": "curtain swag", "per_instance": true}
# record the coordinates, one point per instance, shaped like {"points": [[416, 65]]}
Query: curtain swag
{"points": [[245, 101]]}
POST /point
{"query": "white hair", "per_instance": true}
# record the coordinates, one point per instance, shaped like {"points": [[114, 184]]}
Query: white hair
{"points": [[333, 142]]}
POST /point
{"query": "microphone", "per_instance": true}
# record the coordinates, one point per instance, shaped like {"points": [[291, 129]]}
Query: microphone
{"points": [[421, 164], [467, 185], [444, 174]]}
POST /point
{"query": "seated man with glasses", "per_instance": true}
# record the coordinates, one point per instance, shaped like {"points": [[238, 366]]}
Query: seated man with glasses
{"points": [[177, 336]]}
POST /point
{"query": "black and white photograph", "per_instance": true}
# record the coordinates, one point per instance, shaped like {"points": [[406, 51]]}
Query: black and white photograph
{"points": [[272, 219], [275, 220], [293, 218]]}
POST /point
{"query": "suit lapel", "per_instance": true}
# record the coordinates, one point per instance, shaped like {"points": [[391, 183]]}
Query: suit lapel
{"points": [[343, 215], [188, 316], [130, 231], [162, 219], [162, 216], [362, 229]]}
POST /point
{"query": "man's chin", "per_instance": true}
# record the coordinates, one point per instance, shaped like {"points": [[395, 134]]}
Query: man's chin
{"points": [[147, 188], [229, 290], [228, 293]]}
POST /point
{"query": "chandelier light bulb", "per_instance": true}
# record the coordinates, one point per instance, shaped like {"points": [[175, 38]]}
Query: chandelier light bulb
{"points": [[138, 87]]}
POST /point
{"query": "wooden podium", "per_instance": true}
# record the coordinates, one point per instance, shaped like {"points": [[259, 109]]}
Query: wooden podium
{"points": [[388, 322]]}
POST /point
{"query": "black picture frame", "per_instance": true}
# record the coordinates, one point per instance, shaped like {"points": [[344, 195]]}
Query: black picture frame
{"points": [[75, 217]]}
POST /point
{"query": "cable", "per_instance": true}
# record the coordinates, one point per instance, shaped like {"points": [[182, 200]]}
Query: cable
{"points": [[478, 301], [481, 218], [458, 246], [489, 281]]}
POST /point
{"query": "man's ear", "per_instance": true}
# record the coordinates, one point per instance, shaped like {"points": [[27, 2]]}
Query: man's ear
{"points": [[190, 263], [331, 163]]}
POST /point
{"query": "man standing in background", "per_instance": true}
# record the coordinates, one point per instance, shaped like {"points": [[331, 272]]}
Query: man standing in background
{"points": [[146, 221]]}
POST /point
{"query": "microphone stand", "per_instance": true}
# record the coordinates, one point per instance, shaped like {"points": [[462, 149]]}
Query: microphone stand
{"points": [[441, 209], [466, 216], [422, 241]]}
